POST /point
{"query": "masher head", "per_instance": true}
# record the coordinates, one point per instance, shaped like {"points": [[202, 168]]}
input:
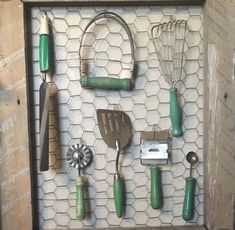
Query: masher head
{"points": [[79, 156]]}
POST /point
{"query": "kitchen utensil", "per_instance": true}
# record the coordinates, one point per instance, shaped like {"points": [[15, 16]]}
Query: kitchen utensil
{"points": [[153, 152], [79, 156], [106, 82], [115, 129], [169, 42], [188, 206], [44, 94]]}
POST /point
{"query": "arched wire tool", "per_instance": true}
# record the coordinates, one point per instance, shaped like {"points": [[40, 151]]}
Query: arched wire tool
{"points": [[106, 82]]}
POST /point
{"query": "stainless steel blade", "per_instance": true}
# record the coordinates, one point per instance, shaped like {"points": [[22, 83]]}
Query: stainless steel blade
{"points": [[114, 125], [44, 127]]}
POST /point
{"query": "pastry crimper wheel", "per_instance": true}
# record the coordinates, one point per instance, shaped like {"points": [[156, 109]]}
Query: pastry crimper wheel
{"points": [[79, 156]]}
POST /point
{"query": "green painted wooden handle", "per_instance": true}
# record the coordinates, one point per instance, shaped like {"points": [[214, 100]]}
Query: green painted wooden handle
{"points": [[175, 114], [106, 83], [155, 195], [44, 52], [188, 207], [80, 205], [118, 194]]}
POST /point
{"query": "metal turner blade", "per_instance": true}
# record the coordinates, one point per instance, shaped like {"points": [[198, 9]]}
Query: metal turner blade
{"points": [[114, 125]]}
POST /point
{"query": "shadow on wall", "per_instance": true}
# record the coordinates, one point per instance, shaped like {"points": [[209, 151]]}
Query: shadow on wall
{"points": [[54, 125], [33, 159]]}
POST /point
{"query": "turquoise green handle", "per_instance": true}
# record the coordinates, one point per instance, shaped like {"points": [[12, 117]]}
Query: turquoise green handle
{"points": [[44, 52], [106, 83], [118, 194], [175, 114], [80, 206], [188, 207], [155, 195]]}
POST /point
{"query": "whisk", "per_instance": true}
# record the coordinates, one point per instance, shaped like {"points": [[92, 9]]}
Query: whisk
{"points": [[169, 42]]}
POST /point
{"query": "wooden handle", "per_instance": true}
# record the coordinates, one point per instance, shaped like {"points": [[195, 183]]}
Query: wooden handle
{"points": [[118, 194], [175, 114], [80, 205], [155, 195], [188, 207], [105, 83], [44, 52]]}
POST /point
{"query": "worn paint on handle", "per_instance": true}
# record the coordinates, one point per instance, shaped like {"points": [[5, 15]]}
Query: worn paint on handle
{"points": [[106, 83], [155, 195], [175, 114], [188, 207], [80, 206], [44, 52], [118, 194]]}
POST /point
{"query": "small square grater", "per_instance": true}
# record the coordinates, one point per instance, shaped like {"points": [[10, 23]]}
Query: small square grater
{"points": [[154, 149]]}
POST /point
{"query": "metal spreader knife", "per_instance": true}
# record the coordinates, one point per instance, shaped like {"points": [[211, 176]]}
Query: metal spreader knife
{"points": [[44, 93]]}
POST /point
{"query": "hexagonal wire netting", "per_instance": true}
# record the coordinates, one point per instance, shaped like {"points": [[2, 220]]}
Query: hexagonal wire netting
{"points": [[73, 117]]}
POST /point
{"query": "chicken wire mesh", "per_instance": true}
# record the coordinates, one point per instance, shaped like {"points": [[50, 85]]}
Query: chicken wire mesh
{"points": [[74, 117]]}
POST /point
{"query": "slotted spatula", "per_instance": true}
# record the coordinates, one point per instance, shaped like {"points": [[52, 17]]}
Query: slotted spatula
{"points": [[115, 129]]}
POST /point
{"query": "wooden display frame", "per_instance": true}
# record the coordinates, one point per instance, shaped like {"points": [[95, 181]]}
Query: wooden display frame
{"points": [[114, 2], [17, 210]]}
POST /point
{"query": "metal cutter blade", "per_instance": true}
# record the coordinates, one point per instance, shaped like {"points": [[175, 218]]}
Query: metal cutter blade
{"points": [[79, 156], [154, 147], [44, 127]]}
